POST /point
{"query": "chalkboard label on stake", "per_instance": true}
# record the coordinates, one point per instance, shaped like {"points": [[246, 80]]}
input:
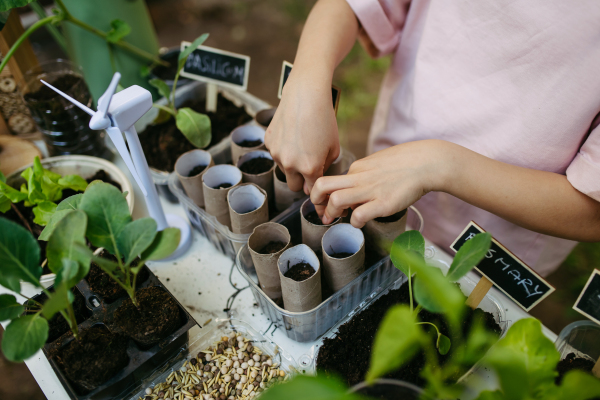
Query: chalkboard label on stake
{"points": [[286, 68], [217, 66], [507, 272], [588, 302]]}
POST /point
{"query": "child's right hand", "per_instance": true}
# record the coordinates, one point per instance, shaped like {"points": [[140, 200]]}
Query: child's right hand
{"points": [[303, 135]]}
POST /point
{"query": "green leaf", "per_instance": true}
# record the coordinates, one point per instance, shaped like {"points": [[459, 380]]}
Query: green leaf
{"points": [[69, 232], [119, 29], [487, 395], [194, 126], [107, 212], [144, 71], [188, 50], [396, 342], [164, 244], [23, 337], [9, 308], [5, 203], [71, 272], [11, 193], [6, 5], [58, 301], [437, 294], [407, 242], [469, 255], [2, 177], [74, 182], [162, 87], [303, 387], [578, 385], [19, 256], [136, 237], [443, 344], [68, 204], [43, 212]]}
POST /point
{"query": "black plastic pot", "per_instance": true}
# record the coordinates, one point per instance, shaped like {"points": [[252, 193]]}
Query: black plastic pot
{"points": [[142, 362]]}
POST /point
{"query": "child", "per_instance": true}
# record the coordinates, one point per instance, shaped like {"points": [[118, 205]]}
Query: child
{"points": [[489, 112]]}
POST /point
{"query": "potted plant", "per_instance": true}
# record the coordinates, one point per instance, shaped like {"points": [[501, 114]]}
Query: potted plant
{"points": [[579, 347]]}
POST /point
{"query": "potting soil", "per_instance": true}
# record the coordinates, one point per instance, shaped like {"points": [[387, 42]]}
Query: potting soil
{"points": [[250, 143], [391, 218], [272, 247], [258, 165], [300, 272], [196, 170]]}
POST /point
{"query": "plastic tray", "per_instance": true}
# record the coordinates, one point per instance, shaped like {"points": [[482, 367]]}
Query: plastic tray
{"points": [[208, 337], [581, 338], [308, 326], [218, 234], [141, 361]]}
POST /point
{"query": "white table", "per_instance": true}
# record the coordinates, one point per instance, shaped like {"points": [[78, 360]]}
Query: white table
{"points": [[200, 281]]}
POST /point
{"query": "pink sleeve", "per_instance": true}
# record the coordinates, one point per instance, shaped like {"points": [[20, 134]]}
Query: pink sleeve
{"points": [[381, 23], [584, 171]]}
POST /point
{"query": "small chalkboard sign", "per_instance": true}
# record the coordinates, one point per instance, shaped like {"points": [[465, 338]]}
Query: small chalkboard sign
{"points": [[507, 272], [286, 68], [588, 302], [217, 66]]}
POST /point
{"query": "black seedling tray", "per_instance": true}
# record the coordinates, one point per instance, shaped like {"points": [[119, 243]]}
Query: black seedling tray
{"points": [[142, 362]]}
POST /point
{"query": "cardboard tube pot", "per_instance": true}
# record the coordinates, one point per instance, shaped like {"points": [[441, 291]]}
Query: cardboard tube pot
{"points": [[266, 264], [248, 207], [264, 179], [343, 238], [215, 198], [304, 295], [246, 133], [381, 232], [193, 184], [311, 233], [284, 197], [336, 168]]}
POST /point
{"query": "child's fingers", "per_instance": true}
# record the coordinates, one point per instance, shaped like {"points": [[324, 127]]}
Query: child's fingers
{"points": [[326, 185], [341, 200], [366, 212], [294, 179]]}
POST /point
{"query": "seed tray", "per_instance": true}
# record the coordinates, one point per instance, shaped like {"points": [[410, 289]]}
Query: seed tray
{"points": [[207, 337], [141, 361], [218, 234], [309, 325]]}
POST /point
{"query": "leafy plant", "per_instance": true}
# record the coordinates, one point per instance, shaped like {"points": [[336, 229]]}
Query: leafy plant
{"points": [[110, 226], [42, 189], [304, 387], [193, 125]]}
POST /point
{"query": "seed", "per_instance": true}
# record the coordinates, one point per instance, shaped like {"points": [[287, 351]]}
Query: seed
{"points": [[244, 365], [224, 370], [240, 338], [281, 373], [236, 377], [227, 378], [193, 361], [256, 358], [243, 379], [250, 363], [208, 357], [148, 391], [183, 369], [228, 363], [207, 367], [161, 394]]}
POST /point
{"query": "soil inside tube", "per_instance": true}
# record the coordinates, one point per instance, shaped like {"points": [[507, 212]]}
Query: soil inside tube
{"points": [[250, 143], [572, 362], [258, 165], [391, 218], [300, 272], [341, 255], [197, 169], [272, 247], [224, 185], [313, 218]]}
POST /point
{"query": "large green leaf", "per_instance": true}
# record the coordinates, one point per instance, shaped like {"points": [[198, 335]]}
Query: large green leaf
{"points": [[407, 243], [19, 256], [74, 182], [436, 293], [164, 244], [11, 193], [5, 203], [23, 337], [162, 87], [9, 308], [303, 387], [58, 301], [6, 5], [68, 204], [136, 237], [194, 126], [469, 255], [396, 342], [43, 212], [578, 385], [66, 241], [188, 50], [107, 212], [118, 30]]}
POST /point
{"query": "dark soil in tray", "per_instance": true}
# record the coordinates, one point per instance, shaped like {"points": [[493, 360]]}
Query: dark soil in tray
{"points": [[272, 247], [105, 286], [250, 143], [196, 170], [348, 354], [223, 186], [163, 143], [340, 255], [313, 218], [94, 359], [391, 218], [156, 318], [571, 362], [300, 272], [258, 165]]}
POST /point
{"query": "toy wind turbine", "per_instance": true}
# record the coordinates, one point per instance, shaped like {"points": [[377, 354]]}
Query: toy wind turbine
{"points": [[117, 113]]}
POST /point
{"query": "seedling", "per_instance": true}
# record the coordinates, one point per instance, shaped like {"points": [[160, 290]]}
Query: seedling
{"points": [[193, 125]]}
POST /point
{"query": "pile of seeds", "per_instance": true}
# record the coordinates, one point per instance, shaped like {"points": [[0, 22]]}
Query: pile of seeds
{"points": [[231, 369]]}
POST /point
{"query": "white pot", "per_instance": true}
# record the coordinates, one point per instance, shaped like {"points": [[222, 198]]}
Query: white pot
{"points": [[84, 166]]}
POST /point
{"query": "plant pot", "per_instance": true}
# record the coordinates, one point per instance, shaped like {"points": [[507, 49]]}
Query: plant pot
{"points": [[388, 389], [261, 178], [381, 232], [343, 248], [192, 184], [300, 293], [215, 197], [312, 233], [242, 136], [579, 346], [167, 74], [86, 167], [284, 196], [141, 361], [65, 127], [248, 207]]}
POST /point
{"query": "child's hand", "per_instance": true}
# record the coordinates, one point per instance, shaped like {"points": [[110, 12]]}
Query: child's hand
{"points": [[303, 136], [383, 183]]}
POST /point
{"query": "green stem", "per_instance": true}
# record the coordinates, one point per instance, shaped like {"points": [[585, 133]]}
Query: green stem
{"points": [[172, 99], [165, 108], [111, 55], [410, 293], [418, 309], [429, 323], [72, 321]]}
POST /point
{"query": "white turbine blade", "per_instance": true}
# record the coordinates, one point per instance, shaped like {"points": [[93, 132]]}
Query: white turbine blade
{"points": [[104, 100], [117, 138], [72, 100]]}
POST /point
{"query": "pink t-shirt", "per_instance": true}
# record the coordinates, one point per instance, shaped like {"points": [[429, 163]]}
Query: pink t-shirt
{"points": [[517, 81]]}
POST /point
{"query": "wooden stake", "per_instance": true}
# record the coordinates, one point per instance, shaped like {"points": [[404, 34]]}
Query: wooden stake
{"points": [[483, 286], [211, 97], [596, 369]]}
